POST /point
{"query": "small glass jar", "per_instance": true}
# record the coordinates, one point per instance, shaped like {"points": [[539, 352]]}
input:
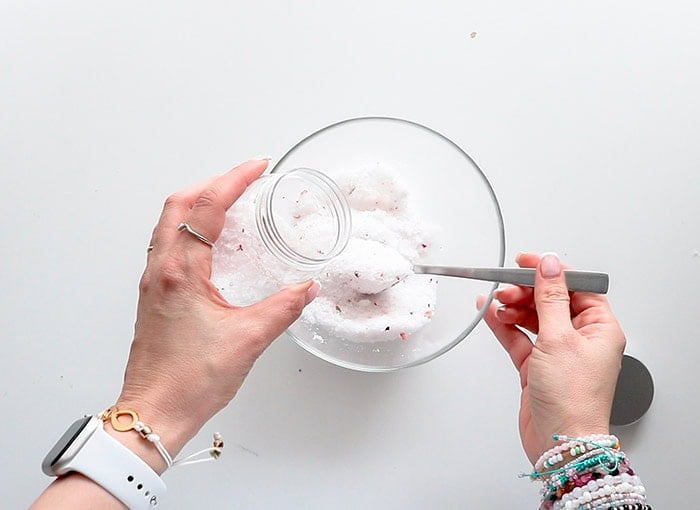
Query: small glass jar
{"points": [[283, 230]]}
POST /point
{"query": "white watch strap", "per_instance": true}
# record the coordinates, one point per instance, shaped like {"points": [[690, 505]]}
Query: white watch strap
{"points": [[120, 471]]}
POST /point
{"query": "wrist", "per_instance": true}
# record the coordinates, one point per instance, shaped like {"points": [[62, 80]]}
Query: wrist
{"points": [[164, 407], [573, 424], [135, 425]]}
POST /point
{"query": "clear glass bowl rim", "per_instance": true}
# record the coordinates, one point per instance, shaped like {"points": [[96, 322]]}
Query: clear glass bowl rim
{"points": [[501, 257]]}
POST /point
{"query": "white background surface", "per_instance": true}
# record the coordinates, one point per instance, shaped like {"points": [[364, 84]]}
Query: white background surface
{"points": [[583, 115]]}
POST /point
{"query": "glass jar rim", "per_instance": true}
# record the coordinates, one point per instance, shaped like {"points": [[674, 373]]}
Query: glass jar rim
{"points": [[269, 229]]}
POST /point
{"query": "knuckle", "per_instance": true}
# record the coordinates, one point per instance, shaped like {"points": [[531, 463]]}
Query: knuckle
{"points": [[208, 199], [621, 342], [561, 341], [257, 341], [554, 294], [174, 200], [292, 308], [145, 282], [172, 275], [570, 339]]}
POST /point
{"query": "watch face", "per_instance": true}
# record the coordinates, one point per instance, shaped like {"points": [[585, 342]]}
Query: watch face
{"points": [[62, 445]]}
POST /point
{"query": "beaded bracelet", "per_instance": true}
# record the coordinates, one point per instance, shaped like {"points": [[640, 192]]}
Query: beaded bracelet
{"points": [[594, 492], [575, 449], [602, 502], [113, 414], [597, 476], [570, 442], [554, 490], [597, 466], [594, 453], [589, 441], [558, 487], [606, 459], [614, 502], [633, 506], [562, 480]]}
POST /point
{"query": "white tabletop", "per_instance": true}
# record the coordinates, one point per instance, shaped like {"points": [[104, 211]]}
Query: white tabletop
{"points": [[584, 117]]}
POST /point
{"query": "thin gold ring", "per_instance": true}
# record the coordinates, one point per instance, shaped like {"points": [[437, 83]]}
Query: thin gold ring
{"points": [[149, 249]]}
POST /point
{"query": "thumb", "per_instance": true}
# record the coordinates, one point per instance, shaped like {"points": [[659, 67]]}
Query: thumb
{"points": [[552, 296], [280, 310]]}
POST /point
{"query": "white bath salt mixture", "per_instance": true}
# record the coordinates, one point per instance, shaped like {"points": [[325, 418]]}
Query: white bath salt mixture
{"points": [[374, 189], [367, 267], [243, 269], [369, 292], [239, 257]]}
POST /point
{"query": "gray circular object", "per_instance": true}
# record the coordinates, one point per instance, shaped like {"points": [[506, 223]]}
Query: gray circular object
{"points": [[633, 394]]}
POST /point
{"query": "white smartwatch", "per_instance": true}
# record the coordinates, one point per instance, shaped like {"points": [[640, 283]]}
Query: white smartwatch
{"points": [[88, 449]]}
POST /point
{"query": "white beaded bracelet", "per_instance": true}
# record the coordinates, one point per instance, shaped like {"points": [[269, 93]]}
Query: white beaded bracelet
{"points": [[614, 501], [620, 486], [604, 501]]}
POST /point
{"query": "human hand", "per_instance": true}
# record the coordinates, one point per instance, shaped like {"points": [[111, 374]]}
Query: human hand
{"points": [[568, 375], [192, 349]]}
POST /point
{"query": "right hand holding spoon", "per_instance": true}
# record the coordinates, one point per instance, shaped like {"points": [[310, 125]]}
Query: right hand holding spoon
{"points": [[568, 375]]}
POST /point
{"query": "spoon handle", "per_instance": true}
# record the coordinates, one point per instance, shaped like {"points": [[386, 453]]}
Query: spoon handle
{"points": [[578, 281]]}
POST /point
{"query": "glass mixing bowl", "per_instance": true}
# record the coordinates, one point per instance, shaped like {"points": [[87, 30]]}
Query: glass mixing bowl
{"points": [[447, 190]]}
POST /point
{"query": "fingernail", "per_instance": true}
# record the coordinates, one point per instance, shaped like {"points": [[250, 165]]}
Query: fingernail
{"points": [[480, 300], [298, 287], [254, 158], [550, 267], [518, 255], [313, 292]]}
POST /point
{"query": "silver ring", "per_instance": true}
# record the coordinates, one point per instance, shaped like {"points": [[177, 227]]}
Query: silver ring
{"points": [[185, 226]]}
